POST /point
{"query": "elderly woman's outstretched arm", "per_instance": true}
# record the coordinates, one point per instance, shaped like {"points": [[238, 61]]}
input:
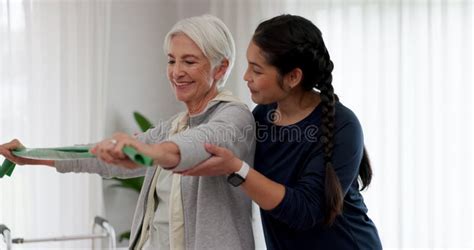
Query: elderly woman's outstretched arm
{"points": [[232, 127], [108, 169]]}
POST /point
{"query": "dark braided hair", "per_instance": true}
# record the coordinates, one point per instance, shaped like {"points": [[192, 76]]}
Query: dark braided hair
{"points": [[290, 42]]}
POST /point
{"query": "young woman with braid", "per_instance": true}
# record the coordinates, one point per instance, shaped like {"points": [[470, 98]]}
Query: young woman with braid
{"points": [[310, 163]]}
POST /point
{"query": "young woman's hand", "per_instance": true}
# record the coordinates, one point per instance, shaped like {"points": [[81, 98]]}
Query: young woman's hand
{"points": [[5, 150], [222, 162]]}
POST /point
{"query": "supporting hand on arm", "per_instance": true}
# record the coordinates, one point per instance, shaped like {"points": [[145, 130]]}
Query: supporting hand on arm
{"points": [[265, 192]]}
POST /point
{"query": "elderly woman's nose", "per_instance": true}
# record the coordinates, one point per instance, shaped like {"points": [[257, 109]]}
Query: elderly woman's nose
{"points": [[177, 70]]}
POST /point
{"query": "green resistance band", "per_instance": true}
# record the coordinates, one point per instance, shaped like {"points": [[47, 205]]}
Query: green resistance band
{"points": [[67, 153], [7, 168]]}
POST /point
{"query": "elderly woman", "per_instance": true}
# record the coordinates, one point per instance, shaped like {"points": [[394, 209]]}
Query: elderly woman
{"points": [[176, 212]]}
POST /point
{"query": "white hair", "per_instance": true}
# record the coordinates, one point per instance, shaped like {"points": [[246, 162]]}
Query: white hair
{"points": [[212, 36]]}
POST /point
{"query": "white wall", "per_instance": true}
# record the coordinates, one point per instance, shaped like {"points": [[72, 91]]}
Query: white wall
{"points": [[137, 66]]}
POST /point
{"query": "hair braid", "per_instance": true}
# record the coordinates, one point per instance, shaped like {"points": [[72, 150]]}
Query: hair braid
{"points": [[332, 187]]}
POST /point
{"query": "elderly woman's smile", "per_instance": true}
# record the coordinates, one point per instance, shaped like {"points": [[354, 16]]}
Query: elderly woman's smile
{"points": [[183, 84]]}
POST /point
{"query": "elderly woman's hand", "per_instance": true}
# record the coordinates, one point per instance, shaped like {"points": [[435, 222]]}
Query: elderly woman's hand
{"points": [[110, 150], [222, 162], [5, 150]]}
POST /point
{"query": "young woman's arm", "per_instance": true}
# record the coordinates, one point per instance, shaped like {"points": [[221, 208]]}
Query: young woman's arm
{"points": [[265, 192], [301, 204]]}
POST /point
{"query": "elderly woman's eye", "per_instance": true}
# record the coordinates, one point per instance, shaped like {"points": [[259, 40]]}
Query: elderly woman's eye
{"points": [[190, 62], [171, 61]]}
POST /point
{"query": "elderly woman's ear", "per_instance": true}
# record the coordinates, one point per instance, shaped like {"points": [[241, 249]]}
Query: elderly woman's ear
{"points": [[220, 69]]}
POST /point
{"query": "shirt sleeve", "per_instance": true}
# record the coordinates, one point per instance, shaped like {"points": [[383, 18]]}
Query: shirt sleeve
{"points": [[232, 127], [95, 166], [303, 204]]}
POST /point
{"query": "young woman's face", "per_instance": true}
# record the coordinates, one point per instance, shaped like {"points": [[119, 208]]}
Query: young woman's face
{"points": [[263, 80], [189, 70]]}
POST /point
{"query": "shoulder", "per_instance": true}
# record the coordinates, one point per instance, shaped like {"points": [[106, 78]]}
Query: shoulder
{"points": [[231, 112], [229, 108], [347, 124], [344, 115]]}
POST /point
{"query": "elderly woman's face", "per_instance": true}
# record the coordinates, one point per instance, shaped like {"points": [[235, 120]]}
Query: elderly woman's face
{"points": [[189, 70]]}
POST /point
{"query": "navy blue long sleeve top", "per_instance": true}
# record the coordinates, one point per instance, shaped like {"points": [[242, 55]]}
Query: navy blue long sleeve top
{"points": [[293, 156]]}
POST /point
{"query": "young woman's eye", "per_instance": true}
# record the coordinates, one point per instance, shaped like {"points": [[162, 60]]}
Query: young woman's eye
{"points": [[256, 70]]}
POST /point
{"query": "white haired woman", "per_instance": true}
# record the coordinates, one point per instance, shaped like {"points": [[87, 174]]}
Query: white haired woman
{"points": [[175, 212]]}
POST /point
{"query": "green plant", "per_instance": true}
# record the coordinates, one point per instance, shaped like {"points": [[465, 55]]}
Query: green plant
{"points": [[142, 121], [133, 183]]}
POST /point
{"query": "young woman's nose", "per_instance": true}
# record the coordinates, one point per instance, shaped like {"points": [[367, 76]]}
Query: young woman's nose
{"points": [[247, 75]]}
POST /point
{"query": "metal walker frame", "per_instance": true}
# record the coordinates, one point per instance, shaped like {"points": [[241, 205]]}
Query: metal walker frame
{"points": [[107, 232]]}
